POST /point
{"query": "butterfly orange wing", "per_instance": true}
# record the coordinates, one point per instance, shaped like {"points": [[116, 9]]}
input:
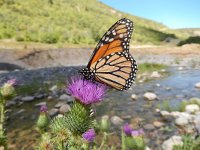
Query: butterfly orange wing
{"points": [[111, 61], [116, 39]]}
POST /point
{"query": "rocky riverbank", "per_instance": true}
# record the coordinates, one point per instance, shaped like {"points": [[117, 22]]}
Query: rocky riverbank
{"points": [[121, 107], [142, 106]]}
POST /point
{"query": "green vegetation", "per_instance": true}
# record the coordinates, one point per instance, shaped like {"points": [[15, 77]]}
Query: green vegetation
{"points": [[184, 103], [31, 88], [192, 39], [149, 67], [189, 143], [35, 87], [165, 105], [70, 22]]}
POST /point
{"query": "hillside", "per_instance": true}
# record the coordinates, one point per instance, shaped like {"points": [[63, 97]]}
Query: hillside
{"points": [[70, 22], [190, 31]]}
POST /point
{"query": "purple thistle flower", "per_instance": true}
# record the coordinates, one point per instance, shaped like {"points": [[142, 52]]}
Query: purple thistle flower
{"points": [[136, 133], [89, 135], [86, 91], [43, 108], [127, 129], [12, 82], [141, 131]]}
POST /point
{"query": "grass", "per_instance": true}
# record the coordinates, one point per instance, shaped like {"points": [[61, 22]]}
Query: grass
{"points": [[31, 88], [165, 105], [150, 67], [35, 87], [184, 103], [189, 143], [70, 22]]}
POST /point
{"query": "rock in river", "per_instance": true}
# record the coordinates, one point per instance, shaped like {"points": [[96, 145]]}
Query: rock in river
{"points": [[116, 120], [181, 121], [59, 104], [150, 96], [197, 122], [134, 97], [27, 99], [64, 97], [192, 108], [174, 140], [64, 109], [158, 124], [53, 112], [155, 74], [149, 127], [197, 85], [41, 104], [180, 68], [54, 89]]}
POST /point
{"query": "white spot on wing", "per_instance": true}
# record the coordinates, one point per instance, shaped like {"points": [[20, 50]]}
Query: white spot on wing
{"points": [[121, 35]]}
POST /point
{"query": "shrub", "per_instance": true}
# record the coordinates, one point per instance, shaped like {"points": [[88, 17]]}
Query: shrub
{"points": [[192, 39], [49, 38]]}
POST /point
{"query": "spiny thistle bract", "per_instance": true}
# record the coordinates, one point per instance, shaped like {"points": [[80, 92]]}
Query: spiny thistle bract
{"points": [[77, 121]]}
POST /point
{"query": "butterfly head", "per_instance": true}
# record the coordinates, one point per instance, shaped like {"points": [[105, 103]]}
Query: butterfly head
{"points": [[87, 73]]}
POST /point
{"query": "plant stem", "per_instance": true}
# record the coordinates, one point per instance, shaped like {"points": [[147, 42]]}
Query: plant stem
{"points": [[103, 141], [2, 119], [123, 141]]}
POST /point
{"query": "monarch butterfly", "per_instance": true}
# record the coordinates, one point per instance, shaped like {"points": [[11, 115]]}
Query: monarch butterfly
{"points": [[111, 62]]}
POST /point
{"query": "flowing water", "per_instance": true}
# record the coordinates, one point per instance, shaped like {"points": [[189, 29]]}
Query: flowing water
{"points": [[177, 86]]}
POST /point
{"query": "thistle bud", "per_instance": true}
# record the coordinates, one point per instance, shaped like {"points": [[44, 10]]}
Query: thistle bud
{"points": [[135, 142], [139, 142], [104, 125], [8, 89], [43, 120]]}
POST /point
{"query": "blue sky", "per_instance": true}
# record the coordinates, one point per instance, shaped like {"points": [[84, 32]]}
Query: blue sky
{"points": [[172, 13]]}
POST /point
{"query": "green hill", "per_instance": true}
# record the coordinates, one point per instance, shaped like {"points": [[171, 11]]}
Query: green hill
{"points": [[70, 22]]}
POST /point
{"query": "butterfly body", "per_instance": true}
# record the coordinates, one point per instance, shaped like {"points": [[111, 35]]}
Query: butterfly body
{"points": [[87, 73], [111, 62]]}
